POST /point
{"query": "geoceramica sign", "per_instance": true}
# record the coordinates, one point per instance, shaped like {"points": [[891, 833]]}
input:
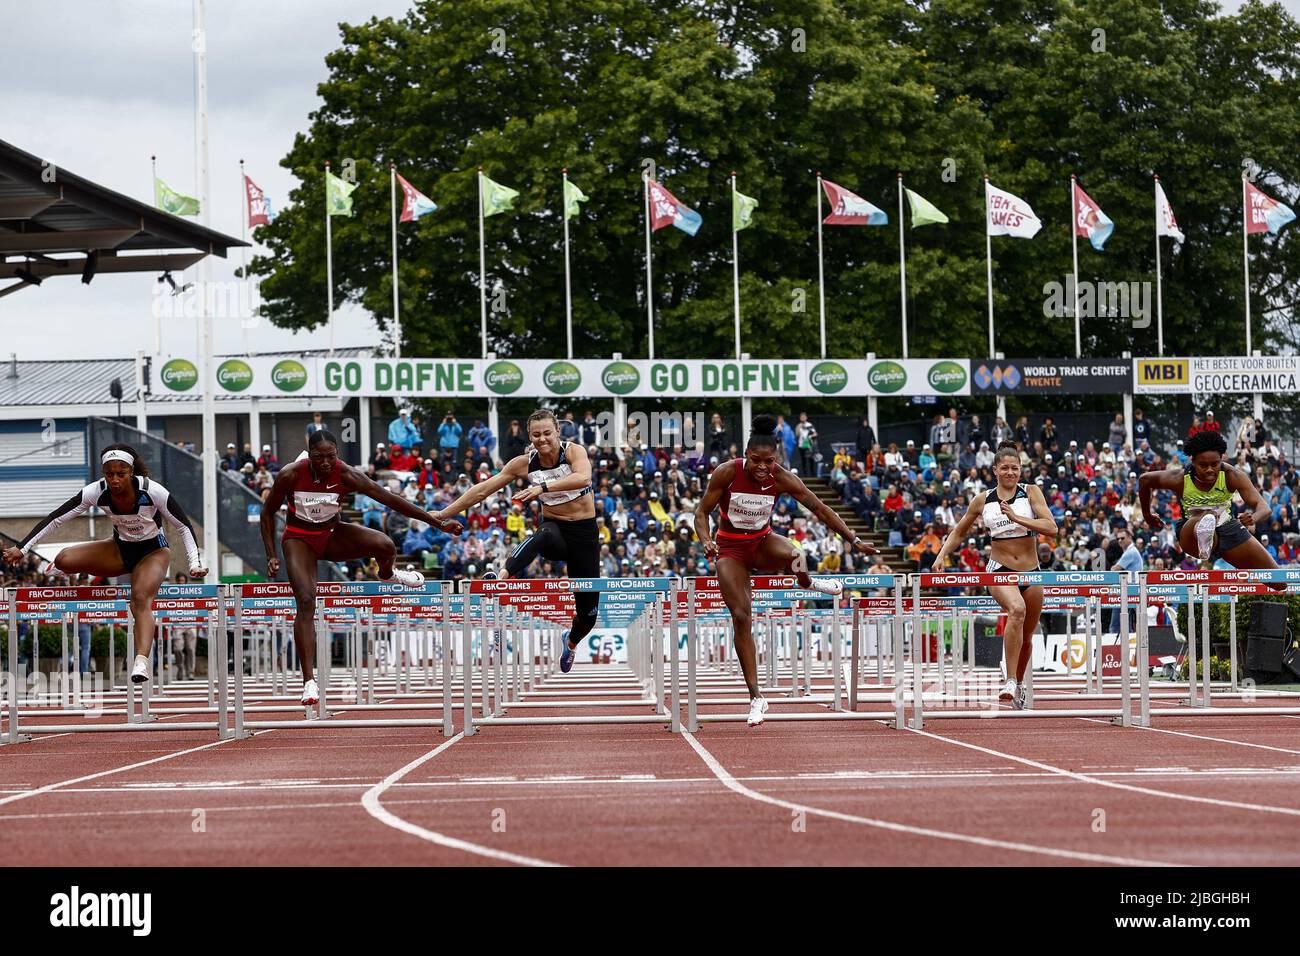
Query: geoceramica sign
{"points": [[1228, 375]]}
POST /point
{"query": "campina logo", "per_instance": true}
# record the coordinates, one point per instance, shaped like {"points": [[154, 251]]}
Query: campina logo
{"points": [[947, 376], [503, 377], [887, 376], [828, 377], [621, 378], [180, 375], [289, 375], [234, 375], [562, 378]]}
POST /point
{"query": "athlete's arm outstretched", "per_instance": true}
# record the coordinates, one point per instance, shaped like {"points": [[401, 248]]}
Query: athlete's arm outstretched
{"points": [[791, 484], [355, 480], [74, 506], [514, 469], [718, 481], [579, 463]]}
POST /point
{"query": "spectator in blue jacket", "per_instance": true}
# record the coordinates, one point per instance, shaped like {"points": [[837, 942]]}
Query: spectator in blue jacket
{"points": [[482, 443], [784, 432], [372, 512], [401, 431], [418, 541], [449, 433]]}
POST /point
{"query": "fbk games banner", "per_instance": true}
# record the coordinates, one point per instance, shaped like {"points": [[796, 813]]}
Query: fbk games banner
{"points": [[1090, 376], [1270, 374], [592, 378]]}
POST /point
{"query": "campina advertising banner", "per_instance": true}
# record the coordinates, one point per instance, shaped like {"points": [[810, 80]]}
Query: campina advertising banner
{"points": [[273, 376], [1052, 376], [1209, 375]]}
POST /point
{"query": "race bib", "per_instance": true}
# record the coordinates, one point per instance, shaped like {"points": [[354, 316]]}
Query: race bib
{"points": [[316, 507], [749, 512]]}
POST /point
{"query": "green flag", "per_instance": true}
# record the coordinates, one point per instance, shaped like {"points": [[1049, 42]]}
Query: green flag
{"points": [[338, 195], [498, 198], [169, 200], [742, 210], [923, 211], [572, 196]]}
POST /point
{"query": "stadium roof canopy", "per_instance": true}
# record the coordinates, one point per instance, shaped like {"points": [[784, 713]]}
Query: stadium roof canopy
{"points": [[56, 223]]}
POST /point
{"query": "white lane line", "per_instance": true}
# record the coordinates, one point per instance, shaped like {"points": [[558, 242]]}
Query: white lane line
{"points": [[1084, 778], [733, 784], [1221, 740], [370, 800]]}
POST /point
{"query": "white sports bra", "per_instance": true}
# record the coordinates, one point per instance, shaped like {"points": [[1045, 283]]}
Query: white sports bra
{"points": [[998, 524]]}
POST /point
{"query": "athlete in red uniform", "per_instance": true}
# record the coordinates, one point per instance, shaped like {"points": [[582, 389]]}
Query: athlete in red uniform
{"points": [[747, 489], [315, 486]]}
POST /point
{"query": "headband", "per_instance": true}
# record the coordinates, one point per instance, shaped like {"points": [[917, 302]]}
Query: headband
{"points": [[116, 454]]}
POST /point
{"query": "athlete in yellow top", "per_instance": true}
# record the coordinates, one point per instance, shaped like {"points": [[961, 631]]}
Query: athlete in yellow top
{"points": [[1206, 487]]}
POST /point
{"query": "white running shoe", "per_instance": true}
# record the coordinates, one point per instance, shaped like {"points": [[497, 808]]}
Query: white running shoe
{"points": [[310, 693], [757, 708], [829, 586], [1009, 690], [140, 670], [411, 579], [1205, 536], [1019, 702]]}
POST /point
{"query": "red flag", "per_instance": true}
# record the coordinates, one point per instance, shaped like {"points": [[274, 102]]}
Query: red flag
{"points": [[259, 207], [667, 210], [414, 203], [1263, 212]]}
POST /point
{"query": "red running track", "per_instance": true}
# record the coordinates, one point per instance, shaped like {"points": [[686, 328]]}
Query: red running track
{"points": [[1191, 791]]}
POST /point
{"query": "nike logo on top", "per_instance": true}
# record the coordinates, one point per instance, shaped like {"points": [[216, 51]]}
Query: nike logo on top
{"points": [[767, 487], [331, 486]]}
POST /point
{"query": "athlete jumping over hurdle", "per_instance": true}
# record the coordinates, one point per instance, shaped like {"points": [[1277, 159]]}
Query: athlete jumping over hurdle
{"points": [[746, 490], [1206, 487], [559, 475], [1014, 513], [314, 487], [136, 506]]}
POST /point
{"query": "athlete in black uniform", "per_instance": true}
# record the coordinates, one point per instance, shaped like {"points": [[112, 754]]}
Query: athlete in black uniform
{"points": [[559, 475]]}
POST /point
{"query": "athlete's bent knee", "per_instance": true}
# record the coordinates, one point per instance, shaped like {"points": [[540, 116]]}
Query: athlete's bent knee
{"points": [[742, 620]]}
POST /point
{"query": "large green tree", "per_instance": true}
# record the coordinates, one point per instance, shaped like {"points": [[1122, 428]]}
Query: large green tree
{"points": [[1029, 90]]}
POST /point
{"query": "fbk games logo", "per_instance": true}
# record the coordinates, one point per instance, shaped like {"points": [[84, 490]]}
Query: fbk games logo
{"points": [[887, 377], [503, 378], [180, 375], [234, 375], [289, 375], [828, 377], [562, 378], [947, 377], [621, 378]]}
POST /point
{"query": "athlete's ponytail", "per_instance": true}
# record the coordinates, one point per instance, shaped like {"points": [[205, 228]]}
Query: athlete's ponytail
{"points": [[761, 433], [1006, 449]]}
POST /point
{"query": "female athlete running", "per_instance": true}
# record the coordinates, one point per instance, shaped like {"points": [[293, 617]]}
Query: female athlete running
{"points": [[559, 475], [314, 487], [136, 506], [746, 490], [1206, 487], [1014, 514]]}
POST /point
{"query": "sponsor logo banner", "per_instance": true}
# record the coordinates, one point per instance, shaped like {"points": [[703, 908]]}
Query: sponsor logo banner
{"points": [[1226, 375], [1090, 376]]}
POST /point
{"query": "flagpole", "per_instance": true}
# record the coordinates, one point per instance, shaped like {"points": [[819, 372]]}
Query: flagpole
{"points": [[821, 275], [902, 264], [482, 270], [735, 265], [988, 253], [568, 290], [243, 234], [329, 257], [649, 283], [1245, 252], [1160, 305], [1074, 244], [397, 317], [211, 544], [157, 317]]}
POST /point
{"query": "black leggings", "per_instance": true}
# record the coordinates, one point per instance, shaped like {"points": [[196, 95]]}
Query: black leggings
{"points": [[577, 544]]}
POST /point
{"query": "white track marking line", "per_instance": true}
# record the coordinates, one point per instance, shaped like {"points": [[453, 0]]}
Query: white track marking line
{"points": [[733, 784], [1084, 778], [1221, 740], [370, 801]]}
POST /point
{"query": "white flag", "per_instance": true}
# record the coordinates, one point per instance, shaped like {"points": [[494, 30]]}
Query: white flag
{"points": [[1166, 224], [1008, 214]]}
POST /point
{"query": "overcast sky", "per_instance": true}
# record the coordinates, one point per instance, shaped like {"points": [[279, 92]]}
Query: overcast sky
{"points": [[96, 86]]}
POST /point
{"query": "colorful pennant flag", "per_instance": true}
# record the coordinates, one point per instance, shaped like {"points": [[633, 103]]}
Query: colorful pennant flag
{"points": [[1089, 221], [850, 209], [1009, 215], [1166, 224], [742, 210], [497, 198], [260, 212], [1264, 213], [414, 203], [169, 200], [923, 211], [667, 210], [572, 196], [338, 195]]}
